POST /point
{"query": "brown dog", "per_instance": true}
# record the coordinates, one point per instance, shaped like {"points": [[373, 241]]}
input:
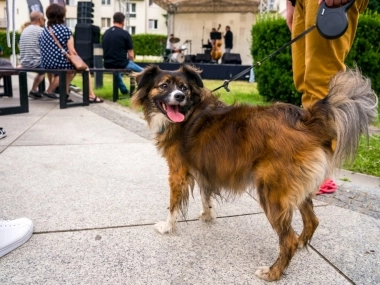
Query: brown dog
{"points": [[282, 151]]}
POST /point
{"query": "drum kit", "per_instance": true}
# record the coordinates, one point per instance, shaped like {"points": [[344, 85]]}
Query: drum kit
{"points": [[177, 55]]}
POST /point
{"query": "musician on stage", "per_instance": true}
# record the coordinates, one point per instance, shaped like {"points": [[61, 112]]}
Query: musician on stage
{"points": [[228, 38], [170, 48]]}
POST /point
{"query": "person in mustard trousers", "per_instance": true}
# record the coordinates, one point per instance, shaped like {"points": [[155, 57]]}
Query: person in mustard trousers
{"points": [[316, 59]]}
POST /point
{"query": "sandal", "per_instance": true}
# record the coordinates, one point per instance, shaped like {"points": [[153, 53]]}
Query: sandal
{"points": [[327, 187], [96, 100]]}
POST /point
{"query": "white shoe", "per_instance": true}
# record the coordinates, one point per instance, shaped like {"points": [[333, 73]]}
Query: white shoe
{"points": [[14, 233]]}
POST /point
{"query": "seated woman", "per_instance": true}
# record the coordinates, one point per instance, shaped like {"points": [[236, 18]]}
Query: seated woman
{"points": [[51, 55]]}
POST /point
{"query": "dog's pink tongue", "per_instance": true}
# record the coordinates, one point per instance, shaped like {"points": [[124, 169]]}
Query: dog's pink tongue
{"points": [[174, 114]]}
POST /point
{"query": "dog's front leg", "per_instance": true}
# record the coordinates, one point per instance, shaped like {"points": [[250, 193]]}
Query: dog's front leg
{"points": [[179, 197], [207, 213]]}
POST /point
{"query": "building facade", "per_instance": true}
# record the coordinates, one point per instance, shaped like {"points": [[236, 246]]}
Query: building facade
{"points": [[144, 16]]}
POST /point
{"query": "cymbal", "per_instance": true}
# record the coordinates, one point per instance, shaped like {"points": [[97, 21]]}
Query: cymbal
{"points": [[174, 40]]}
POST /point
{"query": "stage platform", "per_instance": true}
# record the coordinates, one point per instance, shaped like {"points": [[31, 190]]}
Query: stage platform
{"points": [[209, 70]]}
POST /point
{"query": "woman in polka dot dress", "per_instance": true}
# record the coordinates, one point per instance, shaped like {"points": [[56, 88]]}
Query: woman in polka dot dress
{"points": [[51, 55]]}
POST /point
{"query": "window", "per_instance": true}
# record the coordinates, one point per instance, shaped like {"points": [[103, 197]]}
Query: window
{"points": [[71, 2], [71, 23], [153, 24], [132, 30], [106, 22], [131, 9], [106, 2]]}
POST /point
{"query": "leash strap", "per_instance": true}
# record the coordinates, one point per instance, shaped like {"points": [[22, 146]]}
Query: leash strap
{"points": [[226, 82]]}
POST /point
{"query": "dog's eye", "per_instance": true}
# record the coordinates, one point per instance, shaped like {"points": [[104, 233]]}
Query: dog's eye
{"points": [[183, 88], [164, 86]]}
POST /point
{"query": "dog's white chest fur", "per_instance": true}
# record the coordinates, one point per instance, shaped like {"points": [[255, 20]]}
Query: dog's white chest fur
{"points": [[158, 121]]}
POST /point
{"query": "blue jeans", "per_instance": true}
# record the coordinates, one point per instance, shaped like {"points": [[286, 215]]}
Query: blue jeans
{"points": [[132, 66]]}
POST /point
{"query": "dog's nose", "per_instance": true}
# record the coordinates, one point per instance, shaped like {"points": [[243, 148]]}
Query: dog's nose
{"points": [[179, 97]]}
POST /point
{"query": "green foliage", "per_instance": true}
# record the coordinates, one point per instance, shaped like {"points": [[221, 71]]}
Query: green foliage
{"points": [[3, 43], [368, 159], [365, 52], [374, 5], [149, 44], [274, 76]]}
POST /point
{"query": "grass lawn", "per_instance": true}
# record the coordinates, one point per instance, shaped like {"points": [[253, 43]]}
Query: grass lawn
{"points": [[367, 161]]}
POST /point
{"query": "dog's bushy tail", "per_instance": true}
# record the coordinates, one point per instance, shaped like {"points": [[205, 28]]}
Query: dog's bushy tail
{"points": [[353, 105]]}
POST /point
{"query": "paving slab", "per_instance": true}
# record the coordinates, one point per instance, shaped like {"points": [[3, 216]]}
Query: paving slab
{"points": [[350, 241], [15, 126], [76, 187], [94, 184], [67, 129], [225, 252]]}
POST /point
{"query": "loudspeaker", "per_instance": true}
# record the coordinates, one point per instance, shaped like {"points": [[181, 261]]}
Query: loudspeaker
{"points": [[190, 58], [87, 32], [200, 57], [231, 58], [85, 49]]}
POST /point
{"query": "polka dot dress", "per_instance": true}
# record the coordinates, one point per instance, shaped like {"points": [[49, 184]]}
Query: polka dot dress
{"points": [[51, 55]]}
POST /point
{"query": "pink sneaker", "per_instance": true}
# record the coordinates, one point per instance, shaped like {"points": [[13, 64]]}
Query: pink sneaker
{"points": [[327, 187]]}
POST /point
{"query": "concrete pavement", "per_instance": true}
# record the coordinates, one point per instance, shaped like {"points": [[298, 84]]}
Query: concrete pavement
{"points": [[93, 183]]}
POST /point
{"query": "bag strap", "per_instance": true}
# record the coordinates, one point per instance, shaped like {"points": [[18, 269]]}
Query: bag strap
{"points": [[56, 41]]}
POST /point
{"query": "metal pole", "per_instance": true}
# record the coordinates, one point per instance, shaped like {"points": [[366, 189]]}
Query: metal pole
{"points": [[98, 63]]}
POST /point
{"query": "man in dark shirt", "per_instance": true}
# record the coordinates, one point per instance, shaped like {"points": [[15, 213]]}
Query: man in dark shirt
{"points": [[118, 49], [228, 37]]}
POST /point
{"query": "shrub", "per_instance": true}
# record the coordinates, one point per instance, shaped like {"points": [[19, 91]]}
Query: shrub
{"points": [[149, 44], [365, 51], [3, 43], [275, 77]]}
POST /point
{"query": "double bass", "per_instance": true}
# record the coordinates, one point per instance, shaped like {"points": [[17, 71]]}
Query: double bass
{"points": [[216, 43]]}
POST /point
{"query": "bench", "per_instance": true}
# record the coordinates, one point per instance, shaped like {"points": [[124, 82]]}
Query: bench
{"points": [[115, 88], [23, 86]]}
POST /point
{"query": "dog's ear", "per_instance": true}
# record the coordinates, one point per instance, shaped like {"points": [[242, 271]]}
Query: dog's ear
{"points": [[145, 77], [193, 74], [144, 81]]}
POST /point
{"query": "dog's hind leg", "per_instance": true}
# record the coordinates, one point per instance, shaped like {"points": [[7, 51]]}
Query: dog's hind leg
{"points": [[279, 214], [310, 222], [207, 213]]}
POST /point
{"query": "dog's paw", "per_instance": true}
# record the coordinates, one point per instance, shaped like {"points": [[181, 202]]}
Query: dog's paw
{"points": [[265, 273], [163, 227], [262, 272], [302, 245], [207, 216]]}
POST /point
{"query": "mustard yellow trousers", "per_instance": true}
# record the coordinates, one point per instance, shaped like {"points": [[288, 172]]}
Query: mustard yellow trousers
{"points": [[316, 59]]}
